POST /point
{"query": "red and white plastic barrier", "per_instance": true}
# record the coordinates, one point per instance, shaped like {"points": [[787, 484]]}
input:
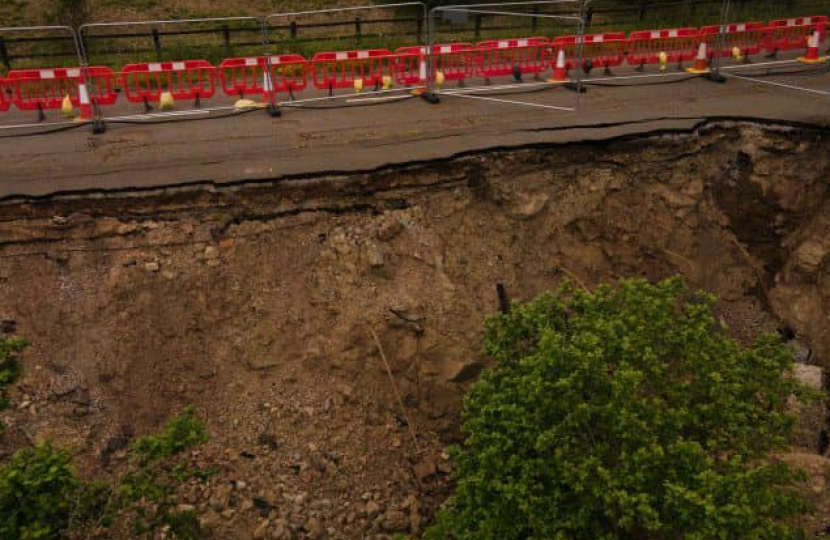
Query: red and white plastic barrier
{"points": [[45, 89], [457, 62], [5, 97], [747, 37], [499, 58], [341, 69], [247, 76], [679, 44], [793, 34], [190, 79], [603, 50]]}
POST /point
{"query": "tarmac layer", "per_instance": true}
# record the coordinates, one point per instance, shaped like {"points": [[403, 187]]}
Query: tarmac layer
{"points": [[221, 147]]}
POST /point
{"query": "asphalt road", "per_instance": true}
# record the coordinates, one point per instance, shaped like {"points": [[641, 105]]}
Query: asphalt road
{"points": [[217, 147]]}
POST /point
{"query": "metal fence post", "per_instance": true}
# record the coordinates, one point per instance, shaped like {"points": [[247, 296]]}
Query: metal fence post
{"points": [[358, 31], [157, 43]]}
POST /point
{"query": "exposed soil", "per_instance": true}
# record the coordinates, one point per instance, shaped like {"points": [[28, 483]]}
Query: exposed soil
{"points": [[258, 304]]}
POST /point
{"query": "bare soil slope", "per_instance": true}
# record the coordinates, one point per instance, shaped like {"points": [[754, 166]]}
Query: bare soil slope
{"points": [[258, 305]]}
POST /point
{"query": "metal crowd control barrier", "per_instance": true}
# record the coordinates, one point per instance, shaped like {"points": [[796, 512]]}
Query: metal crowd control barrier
{"points": [[343, 68], [47, 85], [518, 56]]}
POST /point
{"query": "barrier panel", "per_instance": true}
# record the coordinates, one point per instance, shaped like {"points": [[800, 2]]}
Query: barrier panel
{"points": [[247, 76], [5, 101], [792, 34], [498, 58], [679, 45], [457, 61], [342, 69], [747, 37], [602, 50], [44, 89], [190, 79]]}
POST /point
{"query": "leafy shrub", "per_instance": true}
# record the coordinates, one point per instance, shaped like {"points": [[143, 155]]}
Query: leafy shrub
{"points": [[180, 434], [10, 369], [37, 490], [624, 414]]}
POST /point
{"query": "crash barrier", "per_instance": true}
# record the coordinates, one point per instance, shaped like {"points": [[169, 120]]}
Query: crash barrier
{"points": [[792, 34], [190, 79], [501, 57], [45, 89], [744, 38], [249, 76], [678, 45], [351, 69], [598, 50], [456, 61]]}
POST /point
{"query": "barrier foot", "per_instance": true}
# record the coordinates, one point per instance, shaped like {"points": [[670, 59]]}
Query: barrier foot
{"points": [[773, 55], [290, 93], [431, 98], [641, 68], [587, 67], [715, 76], [41, 116], [274, 110], [608, 72], [679, 65], [331, 90], [573, 87], [198, 103], [98, 126], [147, 106], [517, 74]]}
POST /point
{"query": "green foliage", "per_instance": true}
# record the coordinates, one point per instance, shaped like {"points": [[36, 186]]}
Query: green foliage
{"points": [[147, 490], [42, 499], [10, 369], [624, 414], [180, 434], [37, 489]]}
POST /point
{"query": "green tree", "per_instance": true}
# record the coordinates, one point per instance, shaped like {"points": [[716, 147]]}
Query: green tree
{"points": [[624, 414]]}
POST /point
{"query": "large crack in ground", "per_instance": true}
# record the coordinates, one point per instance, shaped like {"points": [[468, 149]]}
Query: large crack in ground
{"points": [[257, 302]]}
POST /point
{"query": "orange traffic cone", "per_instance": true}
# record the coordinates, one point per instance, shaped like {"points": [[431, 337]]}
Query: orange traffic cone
{"points": [[812, 56], [560, 71], [701, 62], [85, 107]]}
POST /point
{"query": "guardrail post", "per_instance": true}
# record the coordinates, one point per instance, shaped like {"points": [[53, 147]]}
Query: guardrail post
{"points": [[420, 29], [534, 21], [4, 53], [293, 29], [643, 5], [358, 31], [157, 43], [478, 26]]}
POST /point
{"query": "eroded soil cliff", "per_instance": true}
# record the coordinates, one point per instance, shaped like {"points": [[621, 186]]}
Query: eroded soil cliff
{"points": [[258, 303]]}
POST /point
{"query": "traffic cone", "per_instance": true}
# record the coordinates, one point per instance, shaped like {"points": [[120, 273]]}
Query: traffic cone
{"points": [[701, 62], [812, 56], [560, 70], [85, 107]]}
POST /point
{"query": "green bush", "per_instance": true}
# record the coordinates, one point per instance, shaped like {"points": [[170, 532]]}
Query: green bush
{"points": [[10, 369], [180, 434], [37, 490], [624, 414]]}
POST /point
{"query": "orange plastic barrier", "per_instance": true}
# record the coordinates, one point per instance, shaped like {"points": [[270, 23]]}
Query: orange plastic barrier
{"points": [[44, 89], [499, 57], [603, 50], [792, 34], [457, 61], [190, 79], [679, 44], [341, 69], [748, 37], [246, 76]]}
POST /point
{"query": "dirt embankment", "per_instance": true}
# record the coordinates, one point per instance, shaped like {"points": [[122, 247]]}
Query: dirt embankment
{"points": [[258, 304]]}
